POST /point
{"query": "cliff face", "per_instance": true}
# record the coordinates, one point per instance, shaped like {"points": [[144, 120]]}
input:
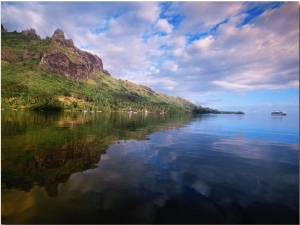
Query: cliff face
{"points": [[65, 59]]}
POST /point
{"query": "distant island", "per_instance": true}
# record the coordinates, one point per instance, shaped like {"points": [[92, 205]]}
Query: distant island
{"points": [[52, 74]]}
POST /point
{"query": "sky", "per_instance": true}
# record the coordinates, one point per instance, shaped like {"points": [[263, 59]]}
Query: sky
{"points": [[222, 55]]}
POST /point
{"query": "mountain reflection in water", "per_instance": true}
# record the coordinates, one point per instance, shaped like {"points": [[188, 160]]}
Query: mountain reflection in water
{"points": [[46, 148], [137, 168], [49, 167]]}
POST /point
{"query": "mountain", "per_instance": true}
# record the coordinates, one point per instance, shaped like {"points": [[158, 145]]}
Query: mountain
{"points": [[65, 59], [53, 74]]}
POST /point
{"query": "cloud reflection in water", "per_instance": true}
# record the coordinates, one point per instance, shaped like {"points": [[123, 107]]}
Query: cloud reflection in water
{"points": [[232, 178]]}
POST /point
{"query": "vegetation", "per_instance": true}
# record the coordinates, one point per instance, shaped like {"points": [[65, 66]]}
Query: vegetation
{"points": [[45, 148], [24, 85]]}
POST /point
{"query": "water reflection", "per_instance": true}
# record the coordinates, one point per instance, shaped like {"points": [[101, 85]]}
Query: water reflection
{"points": [[113, 168], [45, 149], [171, 183], [48, 167]]}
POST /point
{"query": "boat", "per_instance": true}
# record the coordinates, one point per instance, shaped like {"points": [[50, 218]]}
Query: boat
{"points": [[279, 113]]}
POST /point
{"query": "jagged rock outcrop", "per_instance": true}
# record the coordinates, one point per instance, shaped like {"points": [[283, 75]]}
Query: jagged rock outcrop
{"points": [[31, 34], [59, 38], [65, 59]]}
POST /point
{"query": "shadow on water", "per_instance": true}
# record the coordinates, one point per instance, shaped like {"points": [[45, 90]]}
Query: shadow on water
{"points": [[45, 149]]}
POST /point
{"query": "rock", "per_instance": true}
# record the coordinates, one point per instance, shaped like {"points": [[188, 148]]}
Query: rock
{"points": [[31, 33], [31, 55], [65, 59], [56, 61], [59, 38]]}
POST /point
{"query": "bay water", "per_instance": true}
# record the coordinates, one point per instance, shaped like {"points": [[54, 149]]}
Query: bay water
{"points": [[148, 168]]}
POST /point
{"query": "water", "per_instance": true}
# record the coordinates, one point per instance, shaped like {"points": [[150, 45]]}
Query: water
{"points": [[123, 168]]}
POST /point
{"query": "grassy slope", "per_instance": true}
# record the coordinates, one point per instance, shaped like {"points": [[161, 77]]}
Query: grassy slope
{"points": [[24, 85]]}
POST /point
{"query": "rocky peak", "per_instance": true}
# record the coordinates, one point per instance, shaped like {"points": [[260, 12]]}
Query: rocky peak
{"points": [[31, 33], [65, 59], [59, 37], [58, 33]]}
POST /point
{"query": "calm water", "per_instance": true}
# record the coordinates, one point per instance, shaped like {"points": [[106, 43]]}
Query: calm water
{"points": [[120, 168]]}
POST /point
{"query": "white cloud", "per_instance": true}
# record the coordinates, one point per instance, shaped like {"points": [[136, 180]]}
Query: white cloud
{"points": [[148, 10], [163, 26], [249, 57], [203, 15], [154, 70], [178, 52], [167, 83], [170, 65], [260, 53], [27, 17], [200, 45]]}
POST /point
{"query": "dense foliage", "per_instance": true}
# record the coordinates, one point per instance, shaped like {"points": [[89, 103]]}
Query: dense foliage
{"points": [[25, 85]]}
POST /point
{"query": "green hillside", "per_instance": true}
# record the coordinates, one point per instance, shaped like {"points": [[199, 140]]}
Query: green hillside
{"points": [[24, 85]]}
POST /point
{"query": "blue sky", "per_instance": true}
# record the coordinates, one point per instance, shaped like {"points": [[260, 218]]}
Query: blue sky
{"points": [[223, 55]]}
